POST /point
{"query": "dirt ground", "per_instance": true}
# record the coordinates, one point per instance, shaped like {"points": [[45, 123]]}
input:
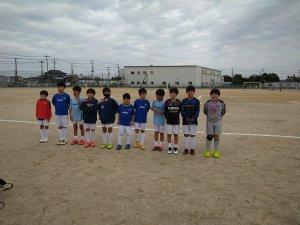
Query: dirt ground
{"points": [[255, 181]]}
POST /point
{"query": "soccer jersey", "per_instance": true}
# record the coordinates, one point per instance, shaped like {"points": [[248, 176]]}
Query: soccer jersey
{"points": [[159, 118], [172, 112], [107, 110], [89, 113], [77, 114], [141, 110], [214, 109], [126, 113], [190, 108], [43, 109], [61, 103]]}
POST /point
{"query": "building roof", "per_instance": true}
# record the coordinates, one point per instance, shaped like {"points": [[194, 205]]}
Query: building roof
{"points": [[174, 66]]}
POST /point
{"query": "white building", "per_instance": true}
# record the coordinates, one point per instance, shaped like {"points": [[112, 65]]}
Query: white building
{"points": [[178, 76]]}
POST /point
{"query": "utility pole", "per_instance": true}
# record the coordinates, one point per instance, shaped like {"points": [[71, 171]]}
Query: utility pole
{"points": [[16, 68], [231, 72], [102, 80], [46, 56], [72, 70], [118, 70], [54, 63], [108, 73], [92, 71], [41, 67]]}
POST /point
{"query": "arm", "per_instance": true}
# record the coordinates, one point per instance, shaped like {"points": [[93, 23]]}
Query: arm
{"points": [[70, 112], [53, 100], [166, 110], [223, 109], [182, 110], [116, 107], [197, 110], [49, 113], [132, 118], [205, 109]]}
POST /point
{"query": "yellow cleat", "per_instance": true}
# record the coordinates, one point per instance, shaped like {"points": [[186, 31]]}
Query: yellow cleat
{"points": [[109, 146], [136, 144], [207, 154], [216, 154], [104, 146], [142, 147]]}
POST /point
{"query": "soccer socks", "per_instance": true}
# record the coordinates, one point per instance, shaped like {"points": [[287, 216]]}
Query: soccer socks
{"points": [[128, 139], [120, 137], [208, 144], [60, 134], [136, 135], [155, 143], [47, 131], [104, 138], [93, 135], [76, 138], [87, 136], [111, 137], [41, 134], [142, 138], [216, 144], [161, 143], [193, 142], [64, 133], [186, 142]]}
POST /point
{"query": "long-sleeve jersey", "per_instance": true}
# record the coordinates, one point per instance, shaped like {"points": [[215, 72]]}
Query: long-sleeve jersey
{"points": [[89, 113], [108, 109], [141, 110], [190, 108], [61, 103], [43, 109], [214, 109], [172, 112]]}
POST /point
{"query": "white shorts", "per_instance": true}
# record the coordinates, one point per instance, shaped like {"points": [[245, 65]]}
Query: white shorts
{"points": [[91, 126], [125, 130], [160, 129], [214, 127], [140, 126], [79, 122], [62, 121], [172, 129], [189, 129], [43, 122], [108, 125]]}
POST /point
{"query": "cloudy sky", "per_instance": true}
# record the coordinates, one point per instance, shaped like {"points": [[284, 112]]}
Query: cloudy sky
{"points": [[247, 35]]}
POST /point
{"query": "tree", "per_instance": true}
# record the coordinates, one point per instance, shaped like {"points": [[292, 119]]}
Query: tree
{"points": [[238, 79], [227, 78]]}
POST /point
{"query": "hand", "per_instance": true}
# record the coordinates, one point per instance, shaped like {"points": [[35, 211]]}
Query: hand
{"points": [[89, 105], [131, 123], [155, 110]]}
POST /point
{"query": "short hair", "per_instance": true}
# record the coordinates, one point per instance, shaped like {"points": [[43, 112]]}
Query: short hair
{"points": [[106, 89], [215, 91], [77, 88], [60, 84], [91, 90], [174, 90], [160, 92], [126, 96], [190, 88], [44, 92], [142, 91]]}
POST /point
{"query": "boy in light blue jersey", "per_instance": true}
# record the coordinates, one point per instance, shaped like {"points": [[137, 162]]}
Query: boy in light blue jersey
{"points": [[159, 121], [76, 115]]}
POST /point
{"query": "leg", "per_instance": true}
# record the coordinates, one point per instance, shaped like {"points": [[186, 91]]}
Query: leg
{"points": [[46, 133], [120, 135], [81, 131], [42, 133], [75, 127], [87, 134], [104, 131], [60, 133], [111, 135], [128, 135]]}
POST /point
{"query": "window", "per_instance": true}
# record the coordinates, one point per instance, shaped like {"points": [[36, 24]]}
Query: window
{"points": [[177, 83], [138, 82], [190, 82], [132, 82], [138, 72], [144, 72], [132, 72], [151, 72], [144, 82], [152, 82], [164, 82]]}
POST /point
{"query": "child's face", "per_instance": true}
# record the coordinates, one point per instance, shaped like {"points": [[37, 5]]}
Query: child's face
{"points": [[159, 97], [61, 89], [76, 93], [190, 94], [126, 101], [214, 96], [173, 95], [106, 94], [143, 95], [43, 96], [90, 95]]}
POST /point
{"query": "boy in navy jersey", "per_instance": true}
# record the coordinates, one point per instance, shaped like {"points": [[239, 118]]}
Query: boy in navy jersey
{"points": [[190, 108], [142, 106], [108, 108], [61, 102], [126, 113], [89, 106], [172, 113]]}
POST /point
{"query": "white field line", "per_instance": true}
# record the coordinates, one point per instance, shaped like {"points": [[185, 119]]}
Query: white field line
{"points": [[199, 132]]}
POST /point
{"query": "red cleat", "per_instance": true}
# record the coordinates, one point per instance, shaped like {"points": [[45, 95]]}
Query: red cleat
{"points": [[87, 144], [81, 142], [74, 142], [93, 144]]}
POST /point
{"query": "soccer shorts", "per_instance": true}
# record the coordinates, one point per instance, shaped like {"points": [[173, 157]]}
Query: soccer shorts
{"points": [[43, 122], [125, 130], [189, 129], [91, 126], [108, 125], [172, 129], [62, 121], [214, 127], [140, 126], [79, 122], [160, 129]]}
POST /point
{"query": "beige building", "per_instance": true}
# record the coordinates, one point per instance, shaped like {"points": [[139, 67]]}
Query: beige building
{"points": [[179, 76]]}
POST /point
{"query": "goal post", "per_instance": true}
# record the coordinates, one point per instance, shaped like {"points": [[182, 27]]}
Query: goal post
{"points": [[251, 85]]}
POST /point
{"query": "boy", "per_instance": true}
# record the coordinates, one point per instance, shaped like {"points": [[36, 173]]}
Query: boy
{"points": [[172, 112], [43, 115], [214, 109], [61, 102], [158, 107], [126, 113], [108, 108], [76, 115], [89, 106], [142, 106], [190, 108]]}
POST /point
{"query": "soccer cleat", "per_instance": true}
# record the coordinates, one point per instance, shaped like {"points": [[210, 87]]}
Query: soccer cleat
{"points": [[175, 151], [155, 148], [142, 147], [136, 144], [103, 146], [216, 154], [119, 147], [45, 140], [41, 140], [170, 150], [59, 142], [160, 148], [81, 142], [127, 146], [207, 153], [87, 144], [63, 142], [192, 152], [74, 142], [109, 146], [186, 151], [93, 144]]}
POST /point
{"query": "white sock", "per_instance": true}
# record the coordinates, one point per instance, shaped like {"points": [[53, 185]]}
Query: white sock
{"points": [[111, 137], [120, 137], [65, 133], [136, 135], [142, 138], [60, 134], [76, 138], [87, 136], [186, 142], [161, 143], [169, 145], [128, 139], [156, 143], [104, 138], [82, 138], [47, 131], [193, 142], [41, 134], [208, 144], [216, 144], [93, 135]]}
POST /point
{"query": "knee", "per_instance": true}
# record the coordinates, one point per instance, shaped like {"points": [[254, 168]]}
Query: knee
{"points": [[46, 127], [209, 137], [193, 135], [142, 131], [216, 137], [186, 135]]}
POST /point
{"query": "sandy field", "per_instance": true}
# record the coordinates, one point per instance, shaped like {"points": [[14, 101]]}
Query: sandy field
{"points": [[255, 181]]}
